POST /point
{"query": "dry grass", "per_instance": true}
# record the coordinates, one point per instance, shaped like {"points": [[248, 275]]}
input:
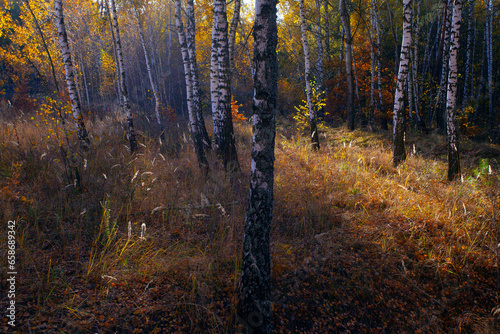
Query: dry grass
{"points": [[358, 245]]}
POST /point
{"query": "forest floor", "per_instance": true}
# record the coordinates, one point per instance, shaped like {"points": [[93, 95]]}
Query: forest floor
{"points": [[357, 245]]}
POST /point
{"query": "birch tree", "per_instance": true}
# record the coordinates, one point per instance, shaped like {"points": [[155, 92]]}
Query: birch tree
{"points": [[222, 119], [346, 24], [308, 79], [150, 73], [440, 106], [399, 152], [81, 131], [232, 32], [451, 97], [122, 81], [201, 129], [254, 307], [195, 128]]}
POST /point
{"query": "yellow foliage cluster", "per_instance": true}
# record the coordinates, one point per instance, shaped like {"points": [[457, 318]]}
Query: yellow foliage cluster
{"points": [[52, 113], [302, 114]]}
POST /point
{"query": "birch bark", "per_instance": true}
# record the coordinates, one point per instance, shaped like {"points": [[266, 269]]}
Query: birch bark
{"points": [[399, 154], [81, 131], [123, 87], [440, 106], [254, 309], [193, 64], [222, 119], [308, 78], [188, 75], [451, 98]]}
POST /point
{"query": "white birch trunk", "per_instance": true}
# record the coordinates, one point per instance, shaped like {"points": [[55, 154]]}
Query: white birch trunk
{"points": [[122, 80], [451, 97], [254, 309], [308, 78], [399, 153], [222, 120], [81, 131], [201, 130], [188, 75], [441, 99]]}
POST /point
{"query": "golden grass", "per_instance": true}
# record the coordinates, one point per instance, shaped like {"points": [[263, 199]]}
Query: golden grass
{"points": [[356, 243]]}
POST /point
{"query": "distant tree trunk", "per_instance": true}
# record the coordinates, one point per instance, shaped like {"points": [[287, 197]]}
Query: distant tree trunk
{"points": [[346, 23], [81, 131], [117, 78], [440, 106], [150, 73], [489, 49], [222, 119], [169, 57], [197, 106], [356, 86], [409, 90], [247, 51], [415, 81], [195, 129], [296, 54], [451, 117], [254, 309], [394, 36], [232, 33], [470, 25], [214, 66], [85, 84], [441, 48], [384, 121], [319, 45], [371, 121], [308, 79], [123, 85], [327, 29], [412, 74], [399, 115]]}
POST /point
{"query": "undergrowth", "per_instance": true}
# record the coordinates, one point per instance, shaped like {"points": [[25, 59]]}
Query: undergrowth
{"points": [[150, 245]]}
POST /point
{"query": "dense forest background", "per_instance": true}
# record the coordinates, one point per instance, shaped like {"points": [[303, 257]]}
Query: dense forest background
{"points": [[132, 205], [376, 31]]}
